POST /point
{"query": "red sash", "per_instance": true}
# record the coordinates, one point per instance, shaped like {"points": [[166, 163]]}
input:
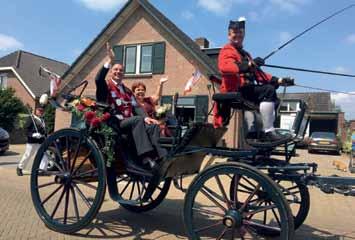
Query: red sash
{"points": [[122, 101]]}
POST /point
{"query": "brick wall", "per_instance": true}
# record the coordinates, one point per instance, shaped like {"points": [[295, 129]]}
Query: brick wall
{"points": [[179, 66], [20, 90]]}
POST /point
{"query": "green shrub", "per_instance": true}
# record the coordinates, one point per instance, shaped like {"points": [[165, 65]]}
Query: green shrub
{"points": [[10, 107]]}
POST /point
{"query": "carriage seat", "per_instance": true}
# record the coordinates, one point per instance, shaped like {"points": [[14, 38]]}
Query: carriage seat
{"points": [[234, 100]]}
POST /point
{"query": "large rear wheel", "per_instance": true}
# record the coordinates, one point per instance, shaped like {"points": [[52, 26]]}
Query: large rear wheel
{"points": [[131, 189], [68, 197], [210, 212]]}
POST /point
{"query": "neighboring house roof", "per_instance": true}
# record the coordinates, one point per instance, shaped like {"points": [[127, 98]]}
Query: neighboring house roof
{"points": [[316, 101], [26, 67], [164, 22]]}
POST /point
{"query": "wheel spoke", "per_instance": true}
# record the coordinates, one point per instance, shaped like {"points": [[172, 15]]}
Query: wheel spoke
{"points": [[75, 203], [208, 227], [235, 190], [85, 184], [81, 194], [45, 185], [85, 173], [131, 195], [59, 201], [262, 209], [122, 179], [226, 200], [277, 218], [82, 163], [248, 181], [222, 233], [51, 195], [66, 205], [139, 193], [68, 152], [249, 198], [124, 189], [251, 224], [76, 154], [211, 198], [208, 212], [57, 150]]}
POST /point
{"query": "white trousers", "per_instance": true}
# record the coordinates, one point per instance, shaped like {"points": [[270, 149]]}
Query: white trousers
{"points": [[27, 159]]}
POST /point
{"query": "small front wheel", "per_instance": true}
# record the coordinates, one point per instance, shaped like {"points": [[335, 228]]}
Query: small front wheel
{"points": [[69, 196], [210, 211]]}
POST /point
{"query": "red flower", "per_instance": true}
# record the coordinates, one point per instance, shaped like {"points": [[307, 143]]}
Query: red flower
{"points": [[89, 116], [80, 107], [95, 122], [105, 117]]}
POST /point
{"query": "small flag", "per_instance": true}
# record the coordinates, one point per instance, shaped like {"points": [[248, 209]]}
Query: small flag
{"points": [[192, 81], [54, 78], [54, 84]]}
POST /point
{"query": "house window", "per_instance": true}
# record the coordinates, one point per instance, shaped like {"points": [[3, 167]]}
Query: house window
{"points": [[3, 81], [141, 58], [130, 59], [190, 109], [289, 107], [146, 59]]}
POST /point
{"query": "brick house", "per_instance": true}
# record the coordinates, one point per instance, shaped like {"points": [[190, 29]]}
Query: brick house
{"points": [[151, 47], [20, 71]]}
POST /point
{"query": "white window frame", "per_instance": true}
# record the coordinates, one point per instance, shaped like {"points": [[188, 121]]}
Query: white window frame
{"points": [[138, 61], [287, 103], [3, 80]]}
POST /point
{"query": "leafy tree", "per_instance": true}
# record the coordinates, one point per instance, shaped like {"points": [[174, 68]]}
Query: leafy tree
{"points": [[49, 117], [10, 107]]}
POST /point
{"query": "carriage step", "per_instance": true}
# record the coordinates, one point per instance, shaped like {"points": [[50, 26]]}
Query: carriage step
{"points": [[129, 202]]}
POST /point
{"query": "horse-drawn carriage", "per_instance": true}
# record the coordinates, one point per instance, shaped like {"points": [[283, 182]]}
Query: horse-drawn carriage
{"points": [[236, 193]]}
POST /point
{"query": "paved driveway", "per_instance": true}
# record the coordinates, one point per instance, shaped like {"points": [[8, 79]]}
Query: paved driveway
{"points": [[330, 217]]}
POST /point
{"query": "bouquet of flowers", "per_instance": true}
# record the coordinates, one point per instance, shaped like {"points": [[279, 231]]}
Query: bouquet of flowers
{"points": [[162, 111], [85, 110]]}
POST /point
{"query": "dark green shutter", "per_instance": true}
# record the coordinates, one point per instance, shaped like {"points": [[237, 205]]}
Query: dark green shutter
{"points": [[166, 100], [201, 104], [118, 50], [158, 60]]}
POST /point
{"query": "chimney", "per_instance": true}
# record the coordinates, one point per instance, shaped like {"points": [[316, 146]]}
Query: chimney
{"points": [[202, 42]]}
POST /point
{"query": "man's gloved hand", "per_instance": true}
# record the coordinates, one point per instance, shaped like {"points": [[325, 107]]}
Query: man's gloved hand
{"points": [[287, 81], [37, 135], [259, 61]]}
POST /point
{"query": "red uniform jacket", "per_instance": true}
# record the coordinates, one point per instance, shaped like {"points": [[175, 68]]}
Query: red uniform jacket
{"points": [[232, 79]]}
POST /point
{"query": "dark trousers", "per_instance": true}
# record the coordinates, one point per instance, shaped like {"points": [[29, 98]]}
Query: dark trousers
{"points": [[145, 136], [259, 93]]}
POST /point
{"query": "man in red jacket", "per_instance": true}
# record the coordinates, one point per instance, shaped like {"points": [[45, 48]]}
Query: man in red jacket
{"points": [[240, 72]]}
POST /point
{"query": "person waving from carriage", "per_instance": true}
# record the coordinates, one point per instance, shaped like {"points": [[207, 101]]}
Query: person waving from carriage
{"points": [[132, 118], [240, 72]]}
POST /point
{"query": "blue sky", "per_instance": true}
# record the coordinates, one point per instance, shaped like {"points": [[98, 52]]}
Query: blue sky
{"points": [[62, 29]]}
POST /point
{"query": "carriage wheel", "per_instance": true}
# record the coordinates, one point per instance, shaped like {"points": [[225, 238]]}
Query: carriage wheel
{"points": [[296, 194], [210, 212], [69, 197], [131, 188]]}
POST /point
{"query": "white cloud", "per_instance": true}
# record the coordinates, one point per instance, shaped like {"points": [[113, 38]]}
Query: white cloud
{"points": [[9, 43], [253, 16], [351, 38], [346, 103], [290, 6], [284, 37], [218, 7], [103, 5], [341, 69], [187, 15]]}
